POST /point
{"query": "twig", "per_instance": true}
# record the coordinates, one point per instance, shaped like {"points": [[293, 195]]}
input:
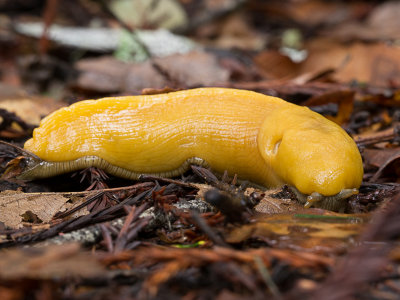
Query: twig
{"points": [[49, 14], [202, 225], [78, 223], [266, 276], [91, 199], [107, 237], [378, 137], [168, 180], [134, 35], [124, 235]]}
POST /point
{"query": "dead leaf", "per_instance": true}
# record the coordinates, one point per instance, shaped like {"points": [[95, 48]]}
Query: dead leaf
{"points": [[344, 98], [378, 157], [384, 20], [373, 137], [31, 109], [311, 13], [52, 262], [165, 263], [306, 229], [274, 65], [382, 24], [392, 164], [235, 32], [141, 76], [274, 205], [8, 91], [193, 69], [104, 74], [14, 206], [109, 75], [315, 12], [376, 64]]}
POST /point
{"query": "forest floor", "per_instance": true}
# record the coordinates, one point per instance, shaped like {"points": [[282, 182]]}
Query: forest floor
{"points": [[89, 235]]}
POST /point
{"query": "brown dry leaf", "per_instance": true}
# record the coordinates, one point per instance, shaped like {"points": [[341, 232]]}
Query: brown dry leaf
{"points": [[193, 69], [384, 20], [64, 261], [164, 263], [274, 65], [378, 157], [384, 96], [8, 91], [371, 136], [383, 23], [319, 91], [345, 109], [307, 229], [395, 253], [14, 168], [344, 98], [109, 75], [104, 74], [233, 32], [15, 206], [378, 64], [31, 109], [312, 13], [392, 165], [273, 205], [142, 76], [316, 12]]}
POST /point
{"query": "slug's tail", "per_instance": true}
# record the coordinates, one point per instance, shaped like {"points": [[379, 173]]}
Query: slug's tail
{"points": [[17, 166], [22, 150]]}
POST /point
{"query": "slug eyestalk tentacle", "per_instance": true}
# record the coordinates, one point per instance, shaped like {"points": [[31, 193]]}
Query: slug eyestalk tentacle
{"points": [[334, 202]]}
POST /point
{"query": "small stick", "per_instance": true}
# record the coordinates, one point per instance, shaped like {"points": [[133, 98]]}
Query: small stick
{"points": [[199, 222]]}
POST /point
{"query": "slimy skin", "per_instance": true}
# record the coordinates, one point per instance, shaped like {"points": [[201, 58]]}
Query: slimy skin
{"points": [[262, 139]]}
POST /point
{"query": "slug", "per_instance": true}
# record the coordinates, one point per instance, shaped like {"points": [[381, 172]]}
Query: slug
{"points": [[263, 139]]}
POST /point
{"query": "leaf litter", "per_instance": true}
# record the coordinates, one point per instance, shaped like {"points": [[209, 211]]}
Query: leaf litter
{"points": [[202, 235]]}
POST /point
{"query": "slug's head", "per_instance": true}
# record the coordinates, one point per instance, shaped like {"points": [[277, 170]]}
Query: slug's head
{"points": [[309, 152]]}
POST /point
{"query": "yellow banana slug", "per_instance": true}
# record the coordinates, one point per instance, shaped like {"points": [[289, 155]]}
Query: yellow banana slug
{"points": [[262, 139]]}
